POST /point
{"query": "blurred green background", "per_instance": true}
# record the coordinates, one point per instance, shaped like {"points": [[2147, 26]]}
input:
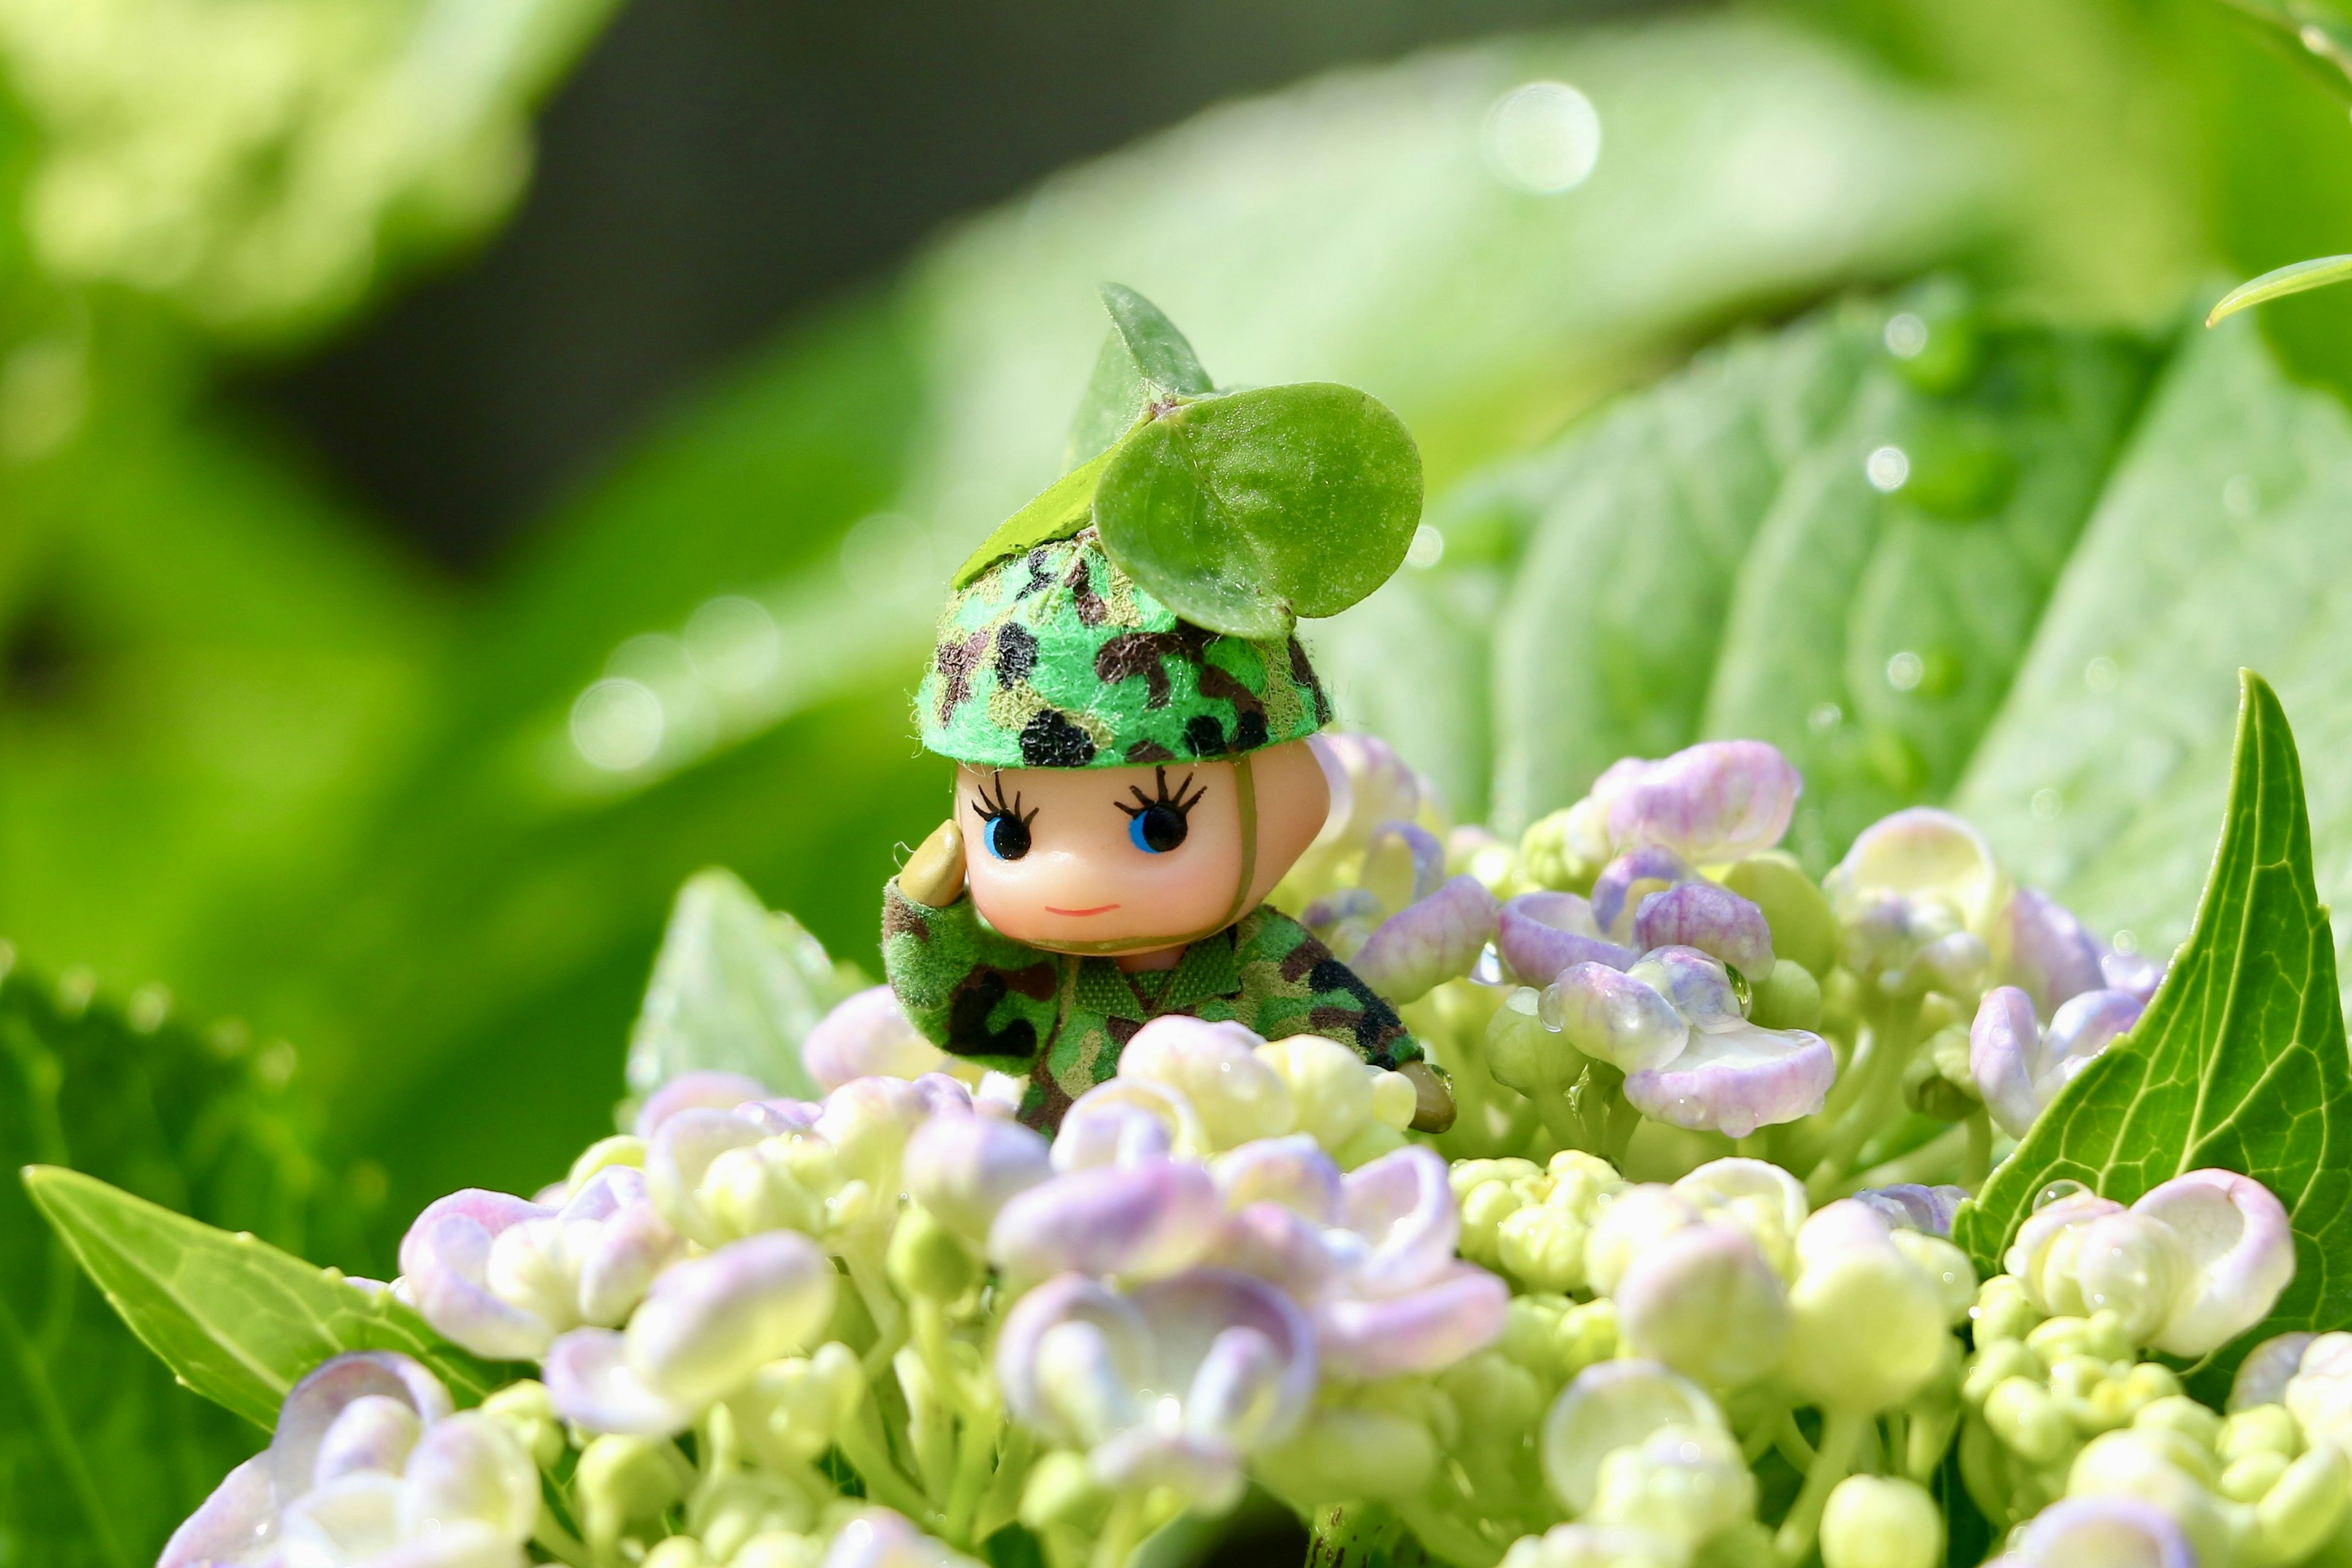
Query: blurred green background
{"points": [[466, 464]]}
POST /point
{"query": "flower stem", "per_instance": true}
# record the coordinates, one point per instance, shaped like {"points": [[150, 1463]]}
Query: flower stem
{"points": [[1119, 1532], [1976, 1164], [1842, 1434]]}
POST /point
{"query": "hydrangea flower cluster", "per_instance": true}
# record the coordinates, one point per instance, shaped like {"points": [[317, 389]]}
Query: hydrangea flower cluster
{"points": [[1675, 1291]]}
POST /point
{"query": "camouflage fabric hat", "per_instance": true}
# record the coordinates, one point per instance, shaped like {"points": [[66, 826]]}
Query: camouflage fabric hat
{"points": [[1055, 659]]}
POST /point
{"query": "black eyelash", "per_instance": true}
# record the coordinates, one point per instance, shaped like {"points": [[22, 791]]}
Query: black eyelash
{"points": [[990, 810], [1175, 802]]}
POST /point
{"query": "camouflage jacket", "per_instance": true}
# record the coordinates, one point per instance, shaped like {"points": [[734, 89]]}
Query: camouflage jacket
{"points": [[1060, 1021]]}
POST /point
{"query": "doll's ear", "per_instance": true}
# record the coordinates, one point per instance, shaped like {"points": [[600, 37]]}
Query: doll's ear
{"points": [[1144, 359], [1245, 510]]}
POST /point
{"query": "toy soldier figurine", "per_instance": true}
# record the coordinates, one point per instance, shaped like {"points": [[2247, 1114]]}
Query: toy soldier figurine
{"points": [[1117, 679]]}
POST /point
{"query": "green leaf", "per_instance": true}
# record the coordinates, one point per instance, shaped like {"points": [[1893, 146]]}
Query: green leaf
{"points": [[100, 1455], [233, 1318], [1144, 359], [2240, 1061], [1060, 510], [2279, 282], [736, 989], [2220, 544], [1714, 559], [1246, 511]]}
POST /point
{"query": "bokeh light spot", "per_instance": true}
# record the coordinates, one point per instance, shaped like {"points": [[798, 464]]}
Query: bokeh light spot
{"points": [[1543, 138], [616, 724]]}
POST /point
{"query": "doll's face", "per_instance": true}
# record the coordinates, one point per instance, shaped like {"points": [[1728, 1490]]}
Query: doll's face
{"points": [[1071, 857]]}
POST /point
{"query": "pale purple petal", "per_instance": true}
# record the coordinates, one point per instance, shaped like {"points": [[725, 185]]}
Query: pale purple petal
{"points": [[1717, 800], [964, 1169], [1712, 919], [1205, 1471], [312, 1405], [1539, 934], [1294, 1172], [1402, 1205], [1371, 784], [2004, 1046], [775, 1116], [2134, 973], [1910, 1206], [1919, 854], [1696, 982], [1460, 1313], [1192, 1319], [1607, 1014], [591, 1383], [878, 1538], [469, 1467], [1403, 863], [701, 1091], [1737, 1080], [1432, 941], [2085, 1025], [2102, 1533], [605, 1193], [1128, 1121], [1021, 1363], [1276, 1244], [229, 1526], [2268, 1368], [2046, 952], [617, 1267], [1146, 1219], [1629, 878], [867, 1035], [711, 1322], [680, 1154], [374, 1432], [2237, 1233]]}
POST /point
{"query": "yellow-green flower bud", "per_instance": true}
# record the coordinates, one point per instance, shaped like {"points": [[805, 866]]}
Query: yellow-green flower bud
{"points": [[2179, 1413], [778, 1551], [1062, 1491], [1485, 1209], [677, 1552], [1504, 1399], [2306, 1505], [1565, 850], [734, 1509], [1873, 1523], [524, 1409], [1543, 1245], [792, 1409], [1531, 1336], [2028, 1420], [2002, 1311], [754, 1189], [2148, 1466], [2247, 1480], [928, 1259], [1787, 998], [1947, 1267], [620, 1149], [2262, 1429], [1996, 1362], [1682, 1481], [622, 1481], [1348, 1455], [1589, 1336], [1804, 927], [2056, 1339]]}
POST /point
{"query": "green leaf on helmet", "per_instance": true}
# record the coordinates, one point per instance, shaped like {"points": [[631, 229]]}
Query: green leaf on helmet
{"points": [[1061, 510], [1144, 359], [1244, 512]]}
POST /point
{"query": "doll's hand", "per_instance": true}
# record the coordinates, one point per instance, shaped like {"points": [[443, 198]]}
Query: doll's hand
{"points": [[934, 873]]}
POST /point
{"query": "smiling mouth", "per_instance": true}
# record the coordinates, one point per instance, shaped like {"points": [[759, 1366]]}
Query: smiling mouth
{"points": [[1100, 910]]}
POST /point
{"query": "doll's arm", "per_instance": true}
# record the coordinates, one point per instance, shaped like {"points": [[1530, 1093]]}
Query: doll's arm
{"points": [[971, 991], [1321, 996]]}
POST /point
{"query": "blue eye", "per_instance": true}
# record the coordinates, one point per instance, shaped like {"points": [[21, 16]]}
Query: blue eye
{"points": [[1007, 837], [1157, 829]]}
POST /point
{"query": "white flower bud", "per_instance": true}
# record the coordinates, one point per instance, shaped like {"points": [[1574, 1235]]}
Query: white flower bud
{"points": [[1215, 1067], [1608, 1407], [2043, 1257], [2242, 1253], [1597, 1546], [1945, 1267], [1867, 1326], [1331, 1087], [1687, 1481], [1632, 1222], [1757, 1196], [2132, 1265], [1875, 1522], [2143, 1466], [1705, 1302], [2305, 1506], [2319, 1395]]}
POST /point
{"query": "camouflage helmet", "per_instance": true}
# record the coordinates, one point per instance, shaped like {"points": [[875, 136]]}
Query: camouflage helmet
{"points": [[1142, 609], [1055, 659]]}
